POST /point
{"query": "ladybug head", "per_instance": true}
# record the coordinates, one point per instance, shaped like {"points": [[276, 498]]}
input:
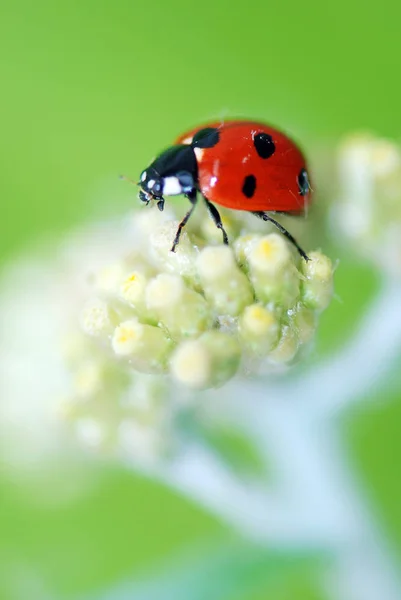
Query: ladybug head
{"points": [[151, 185], [172, 173]]}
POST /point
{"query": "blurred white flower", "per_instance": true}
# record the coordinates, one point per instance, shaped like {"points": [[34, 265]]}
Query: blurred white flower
{"points": [[368, 210]]}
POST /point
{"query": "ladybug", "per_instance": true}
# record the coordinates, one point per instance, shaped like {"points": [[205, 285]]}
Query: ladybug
{"points": [[243, 165]]}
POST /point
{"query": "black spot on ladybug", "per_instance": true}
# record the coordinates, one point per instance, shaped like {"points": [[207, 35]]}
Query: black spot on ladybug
{"points": [[303, 182], [249, 186], [206, 138], [264, 145]]}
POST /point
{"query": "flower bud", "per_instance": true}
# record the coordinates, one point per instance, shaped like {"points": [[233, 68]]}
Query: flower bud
{"points": [[224, 284], [145, 346], [107, 279], [304, 321], [182, 311], [97, 318], [317, 287], [209, 361], [286, 348], [259, 329], [133, 291], [242, 247], [182, 261], [272, 270]]}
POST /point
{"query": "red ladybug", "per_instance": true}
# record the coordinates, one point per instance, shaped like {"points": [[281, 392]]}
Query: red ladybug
{"points": [[242, 165]]}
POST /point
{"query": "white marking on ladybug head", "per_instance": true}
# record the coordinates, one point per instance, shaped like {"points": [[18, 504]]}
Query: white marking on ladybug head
{"points": [[151, 183], [171, 186], [187, 140], [199, 152], [143, 176]]}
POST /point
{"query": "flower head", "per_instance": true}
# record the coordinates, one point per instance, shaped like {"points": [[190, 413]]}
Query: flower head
{"points": [[368, 210], [199, 314], [137, 328]]}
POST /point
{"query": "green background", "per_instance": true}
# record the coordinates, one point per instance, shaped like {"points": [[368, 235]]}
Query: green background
{"points": [[90, 90]]}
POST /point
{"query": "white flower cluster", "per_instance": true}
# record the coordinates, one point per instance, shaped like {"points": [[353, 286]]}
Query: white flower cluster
{"points": [[204, 312], [368, 210], [144, 327]]}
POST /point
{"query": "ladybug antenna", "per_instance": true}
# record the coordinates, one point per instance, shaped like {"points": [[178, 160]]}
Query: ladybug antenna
{"points": [[125, 178]]}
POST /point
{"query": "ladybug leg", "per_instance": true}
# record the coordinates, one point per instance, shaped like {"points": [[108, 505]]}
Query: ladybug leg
{"points": [[192, 197], [266, 217], [214, 213]]}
